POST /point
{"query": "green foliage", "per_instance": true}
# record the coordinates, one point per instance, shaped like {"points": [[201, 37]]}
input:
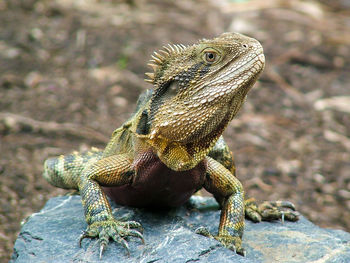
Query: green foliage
{"points": [[122, 62]]}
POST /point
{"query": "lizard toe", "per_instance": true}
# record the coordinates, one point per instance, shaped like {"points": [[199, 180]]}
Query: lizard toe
{"points": [[275, 210], [132, 225], [270, 210], [123, 242], [233, 243], [204, 232], [111, 228]]}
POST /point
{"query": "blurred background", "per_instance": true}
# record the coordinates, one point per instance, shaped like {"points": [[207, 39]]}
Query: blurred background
{"points": [[71, 71]]}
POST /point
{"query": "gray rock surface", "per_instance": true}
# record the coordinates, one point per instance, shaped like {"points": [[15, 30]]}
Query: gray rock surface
{"points": [[52, 236]]}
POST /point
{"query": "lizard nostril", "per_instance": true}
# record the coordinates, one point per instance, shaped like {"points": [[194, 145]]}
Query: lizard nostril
{"points": [[245, 45]]}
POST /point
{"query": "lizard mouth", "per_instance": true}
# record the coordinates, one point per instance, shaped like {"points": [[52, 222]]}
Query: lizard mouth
{"points": [[236, 77], [227, 93], [245, 76], [237, 74], [258, 58]]}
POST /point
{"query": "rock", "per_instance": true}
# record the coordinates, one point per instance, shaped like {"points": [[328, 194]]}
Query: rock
{"points": [[52, 236]]}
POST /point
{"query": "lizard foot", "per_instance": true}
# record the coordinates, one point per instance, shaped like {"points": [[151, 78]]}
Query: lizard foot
{"points": [[233, 243], [114, 229], [270, 210]]}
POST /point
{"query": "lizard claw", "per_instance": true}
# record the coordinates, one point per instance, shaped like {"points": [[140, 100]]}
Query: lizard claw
{"points": [[102, 248], [124, 244], [282, 217], [111, 228], [231, 242], [82, 236], [136, 233]]}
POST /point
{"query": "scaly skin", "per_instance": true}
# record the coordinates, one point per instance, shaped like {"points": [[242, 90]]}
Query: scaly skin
{"points": [[172, 146]]}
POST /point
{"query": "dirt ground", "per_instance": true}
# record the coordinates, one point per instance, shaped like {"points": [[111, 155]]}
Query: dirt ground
{"points": [[71, 71]]}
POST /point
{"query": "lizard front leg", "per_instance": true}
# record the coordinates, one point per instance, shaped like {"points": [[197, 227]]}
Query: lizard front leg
{"points": [[267, 210], [225, 186], [114, 170]]}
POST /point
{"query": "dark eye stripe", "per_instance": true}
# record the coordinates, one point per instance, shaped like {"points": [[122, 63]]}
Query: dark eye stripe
{"points": [[166, 90], [204, 70], [158, 98]]}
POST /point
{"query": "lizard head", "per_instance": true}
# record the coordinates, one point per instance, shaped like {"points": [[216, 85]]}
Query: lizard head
{"points": [[198, 89]]}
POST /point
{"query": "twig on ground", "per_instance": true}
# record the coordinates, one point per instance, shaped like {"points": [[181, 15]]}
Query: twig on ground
{"points": [[280, 81], [18, 123]]}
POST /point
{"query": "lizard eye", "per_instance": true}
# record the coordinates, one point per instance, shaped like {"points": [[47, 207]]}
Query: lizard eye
{"points": [[210, 57]]}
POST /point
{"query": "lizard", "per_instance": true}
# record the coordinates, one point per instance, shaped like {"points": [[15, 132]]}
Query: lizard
{"points": [[172, 146]]}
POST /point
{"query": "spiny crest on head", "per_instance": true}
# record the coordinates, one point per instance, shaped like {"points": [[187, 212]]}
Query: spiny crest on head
{"points": [[159, 57]]}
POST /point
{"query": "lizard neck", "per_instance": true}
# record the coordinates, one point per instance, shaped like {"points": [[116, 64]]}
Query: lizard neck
{"points": [[180, 156], [173, 154]]}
